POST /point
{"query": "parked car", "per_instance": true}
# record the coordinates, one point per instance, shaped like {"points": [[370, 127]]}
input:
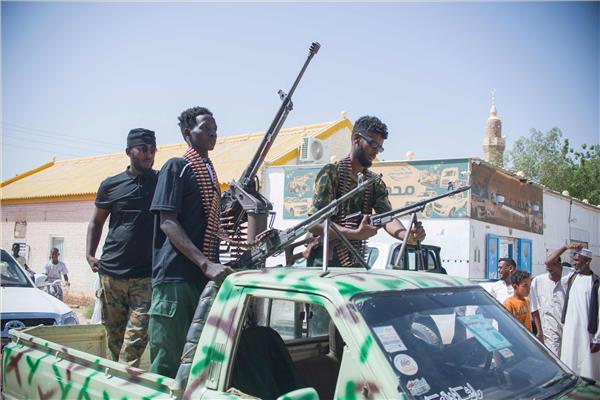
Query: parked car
{"points": [[23, 304]]}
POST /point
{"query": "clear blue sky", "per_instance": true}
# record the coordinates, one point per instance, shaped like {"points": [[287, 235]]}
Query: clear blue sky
{"points": [[77, 76]]}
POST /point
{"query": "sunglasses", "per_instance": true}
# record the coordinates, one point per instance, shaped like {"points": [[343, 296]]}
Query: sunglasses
{"points": [[144, 148], [372, 143]]}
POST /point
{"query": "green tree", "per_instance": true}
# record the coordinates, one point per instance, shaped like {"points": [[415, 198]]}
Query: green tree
{"points": [[548, 158]]}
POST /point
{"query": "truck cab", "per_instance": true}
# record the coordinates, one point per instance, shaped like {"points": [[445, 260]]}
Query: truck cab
{"points": [[387, 256], [301, 333]]}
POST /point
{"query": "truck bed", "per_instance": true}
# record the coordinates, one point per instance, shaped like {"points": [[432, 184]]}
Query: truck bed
{"points": [[60, 362]]}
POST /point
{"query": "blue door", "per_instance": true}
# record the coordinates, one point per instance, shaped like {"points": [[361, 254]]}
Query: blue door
{"points": [[492, 244], [524, 255]]}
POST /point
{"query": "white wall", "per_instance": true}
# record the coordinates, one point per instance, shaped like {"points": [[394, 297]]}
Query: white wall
{"points": [[479, 231], [583, 226], [68, 220], [451, 234]]}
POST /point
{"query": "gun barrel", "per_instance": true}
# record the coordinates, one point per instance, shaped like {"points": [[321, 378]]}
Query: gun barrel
{"points": [[403, 210], [267, 141]]}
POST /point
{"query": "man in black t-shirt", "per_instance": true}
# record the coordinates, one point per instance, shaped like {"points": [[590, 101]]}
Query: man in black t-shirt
{"points": [[126, 263], [186, 245]]}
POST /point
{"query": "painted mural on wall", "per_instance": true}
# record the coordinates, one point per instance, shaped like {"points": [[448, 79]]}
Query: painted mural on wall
{"points": [[504, 200], [298, 191], [409, 182]]}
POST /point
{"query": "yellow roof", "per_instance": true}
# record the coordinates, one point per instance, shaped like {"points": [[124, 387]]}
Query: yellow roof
{"points": [[78, 179]]}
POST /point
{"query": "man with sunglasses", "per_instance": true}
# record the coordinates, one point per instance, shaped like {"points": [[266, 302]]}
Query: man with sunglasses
{"points": [[334, 180], [126, 263]]}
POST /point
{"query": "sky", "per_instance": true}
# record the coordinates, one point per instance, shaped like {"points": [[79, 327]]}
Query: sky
{"points": [[76, 77]]}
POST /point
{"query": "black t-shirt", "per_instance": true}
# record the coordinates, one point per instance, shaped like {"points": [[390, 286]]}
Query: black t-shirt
{"points": [[177, 191], [127, 251]]}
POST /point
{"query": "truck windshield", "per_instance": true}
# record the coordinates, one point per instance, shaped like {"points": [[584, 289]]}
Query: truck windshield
{"points": [[459, 343], [11, 273]]}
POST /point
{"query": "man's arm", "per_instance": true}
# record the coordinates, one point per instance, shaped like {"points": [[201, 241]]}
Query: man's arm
{"points": [[595, 345], [553, 258], [396, 229], [94, 233], [177, 235], [535, 313], [538, 325], [363, 232]]}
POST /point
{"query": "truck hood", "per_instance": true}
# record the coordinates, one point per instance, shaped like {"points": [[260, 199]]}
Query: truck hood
{"points": [[30, 300]]}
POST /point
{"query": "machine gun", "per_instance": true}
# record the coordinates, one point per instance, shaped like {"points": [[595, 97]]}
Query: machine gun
{"points": [[273, 242], [242, 202]]}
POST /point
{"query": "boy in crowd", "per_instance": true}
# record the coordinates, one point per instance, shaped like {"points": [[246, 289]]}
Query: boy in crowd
{"points": [[518, 303]]}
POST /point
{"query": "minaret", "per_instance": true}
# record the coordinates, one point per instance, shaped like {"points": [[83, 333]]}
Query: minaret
{"points": [[493, 142]]}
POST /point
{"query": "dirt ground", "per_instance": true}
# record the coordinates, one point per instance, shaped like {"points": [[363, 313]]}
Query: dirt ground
{"points": [[79, 303]]}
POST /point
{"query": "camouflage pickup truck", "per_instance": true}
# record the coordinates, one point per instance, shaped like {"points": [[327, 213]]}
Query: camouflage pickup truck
{"points": [[301, 333]]}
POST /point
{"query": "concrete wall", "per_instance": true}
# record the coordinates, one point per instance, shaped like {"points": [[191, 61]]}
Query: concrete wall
{"points": [[560, 227], [66, 220], [479, 231]]}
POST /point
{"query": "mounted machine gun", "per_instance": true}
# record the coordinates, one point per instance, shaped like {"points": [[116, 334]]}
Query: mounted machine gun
{"points": [[242, 206]]}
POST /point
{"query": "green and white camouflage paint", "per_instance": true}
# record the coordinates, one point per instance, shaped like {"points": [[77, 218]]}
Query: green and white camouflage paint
{"points": [[34, 368]]}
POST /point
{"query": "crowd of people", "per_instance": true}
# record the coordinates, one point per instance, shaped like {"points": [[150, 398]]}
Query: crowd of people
{"points": [[162, 248], [561, 306]]}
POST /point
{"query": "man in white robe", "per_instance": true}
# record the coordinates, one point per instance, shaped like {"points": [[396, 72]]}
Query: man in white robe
{"points": [[547, 299], [580, 348]]}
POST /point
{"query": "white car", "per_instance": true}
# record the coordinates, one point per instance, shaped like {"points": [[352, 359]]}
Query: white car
{"points": [[25, 305]]}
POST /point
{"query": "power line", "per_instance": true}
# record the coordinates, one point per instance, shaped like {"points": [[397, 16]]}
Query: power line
{"points": [[43, 151], [59, 137], [43, 132], [73, 147]]}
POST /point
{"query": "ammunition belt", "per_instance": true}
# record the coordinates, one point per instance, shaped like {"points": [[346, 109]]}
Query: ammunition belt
{"points": [[345, 184], [211, 199]]}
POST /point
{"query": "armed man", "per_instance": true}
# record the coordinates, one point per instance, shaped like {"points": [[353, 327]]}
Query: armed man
{"points": [[186, 244], [334, 180]]}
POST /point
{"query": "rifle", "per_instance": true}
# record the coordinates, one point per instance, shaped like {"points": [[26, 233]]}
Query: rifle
{"points": [[273, 242], [243, 196], [379, 220]]}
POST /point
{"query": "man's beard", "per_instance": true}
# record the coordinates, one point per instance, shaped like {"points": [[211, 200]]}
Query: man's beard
{"points": [[140, 166], [362, 157]]}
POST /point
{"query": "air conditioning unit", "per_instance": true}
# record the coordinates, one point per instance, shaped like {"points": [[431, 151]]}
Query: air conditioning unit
{"points": [[313, 150]]}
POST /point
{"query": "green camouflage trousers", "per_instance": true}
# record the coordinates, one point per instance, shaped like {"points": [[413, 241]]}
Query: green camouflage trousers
{"points": [[125, 304]]}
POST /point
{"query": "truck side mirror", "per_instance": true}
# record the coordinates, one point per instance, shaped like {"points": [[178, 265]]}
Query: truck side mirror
{"points": [[306, 393], [39, 280]]}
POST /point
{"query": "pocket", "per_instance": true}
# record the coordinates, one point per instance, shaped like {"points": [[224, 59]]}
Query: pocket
{"points": [[163, 308]]}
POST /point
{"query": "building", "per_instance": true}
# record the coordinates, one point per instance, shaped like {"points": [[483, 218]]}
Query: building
{"points": [[503, 215], [51, 205]]}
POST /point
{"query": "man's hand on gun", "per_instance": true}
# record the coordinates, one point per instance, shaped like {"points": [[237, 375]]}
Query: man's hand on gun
{"points": [[417, 233], [365, 230], [217, 272]]}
